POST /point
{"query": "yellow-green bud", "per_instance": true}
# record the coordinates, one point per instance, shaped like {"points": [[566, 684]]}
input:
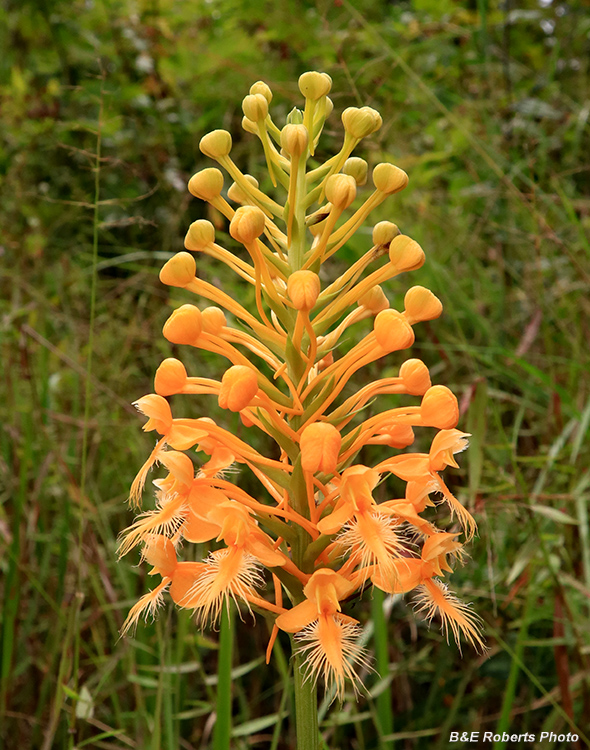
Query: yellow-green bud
{"points": [[255, 107], [389, 179], [236, 193], [179, 270], [295, 117], [294, 139], [216, 144], [213, 320], [329, 106], [200, 235], [303, 288], [206, 184], [314, 85], [247, 224], [405, 254], [374, 300], [249, 126], [341, 190], [261, 88], [383, 233], [357, 168], [361, 122]]}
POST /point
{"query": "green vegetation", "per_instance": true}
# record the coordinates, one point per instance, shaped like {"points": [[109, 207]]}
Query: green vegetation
{"points": [[486, 106]]}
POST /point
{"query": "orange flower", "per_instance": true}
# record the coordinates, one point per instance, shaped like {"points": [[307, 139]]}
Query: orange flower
{"points": [[328, 638]]}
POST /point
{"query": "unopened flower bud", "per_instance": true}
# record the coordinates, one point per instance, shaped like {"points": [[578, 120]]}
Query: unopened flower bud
{"points": [[415, 376], [294, 139], [320, 445], [340, 190], [200, 235], [326, 361], [184, 325], [357, 168], [392, 331], [400, 436], [295, 117], [249, 126], [245, 420], [383, 233], [216, 144], [361, 122], [255, 107], [303, 288], [206, 184], [421, 304], [179, 270], [247, 224], [170, 377], [389, 179], [239, 385], [237, 194], [439, 408], [329, 106], [261, 88], [314, 85], [213, 320], [405, 254], [374, 300]]}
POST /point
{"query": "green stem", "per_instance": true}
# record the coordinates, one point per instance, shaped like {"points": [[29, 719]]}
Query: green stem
{"points": [[298, 244], [383, 701], [222, 728], [306, 707]]}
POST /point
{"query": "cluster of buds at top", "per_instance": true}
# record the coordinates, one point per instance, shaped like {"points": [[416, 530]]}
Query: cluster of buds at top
{"points": [[315, 525]]}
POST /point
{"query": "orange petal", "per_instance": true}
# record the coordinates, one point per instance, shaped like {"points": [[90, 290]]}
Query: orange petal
{"points": [[197, 530], [298, 618], [335, 521], [182, 437], [408, 575], [184, 578], [409, 468], [263, 550], [180, 466], [158, 410]]}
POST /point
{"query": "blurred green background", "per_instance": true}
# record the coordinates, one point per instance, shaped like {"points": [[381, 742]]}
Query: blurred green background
{"points": [[485, 104]]}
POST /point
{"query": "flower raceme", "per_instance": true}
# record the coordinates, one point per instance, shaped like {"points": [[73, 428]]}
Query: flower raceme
{"points": [[315, 524]]}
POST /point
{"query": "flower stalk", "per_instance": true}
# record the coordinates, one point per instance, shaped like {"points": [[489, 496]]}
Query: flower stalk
{"points": [[315, 534]]}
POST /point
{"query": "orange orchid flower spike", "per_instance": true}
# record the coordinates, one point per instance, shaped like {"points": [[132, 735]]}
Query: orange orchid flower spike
{"points": [[322, 526]]}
